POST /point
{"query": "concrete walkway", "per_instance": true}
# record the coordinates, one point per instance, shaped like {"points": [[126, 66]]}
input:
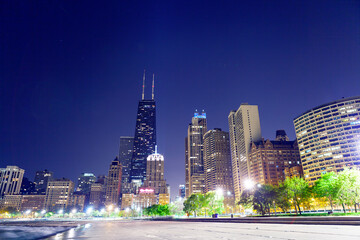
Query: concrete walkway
{"points": [[132, 230]]}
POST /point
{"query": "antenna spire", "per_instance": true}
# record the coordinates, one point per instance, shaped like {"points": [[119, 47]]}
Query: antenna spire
{"points": [[153, 83], [155, 149], [143, 87]]}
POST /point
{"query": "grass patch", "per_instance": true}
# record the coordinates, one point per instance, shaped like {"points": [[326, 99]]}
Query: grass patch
{"points": [[311, 214]]}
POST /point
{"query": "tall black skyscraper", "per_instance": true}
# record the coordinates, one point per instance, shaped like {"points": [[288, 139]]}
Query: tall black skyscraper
{"points": [[145, 137]]}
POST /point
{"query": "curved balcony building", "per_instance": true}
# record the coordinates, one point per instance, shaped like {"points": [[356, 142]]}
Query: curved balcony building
{"points": [[329, 137]]}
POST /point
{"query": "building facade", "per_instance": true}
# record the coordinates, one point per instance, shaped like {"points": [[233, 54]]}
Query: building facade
{"points": [[182, 191], [11, 201], [78, 201], [41, 180], [58, 194], [329, 137], [195, 154], [97, 195], [32, 202], [244, 128], [113, 183], [145, 198], [84, 183], [271, 160], [187, 178], [10, 180], [125, 154], [155, 173], [217, 161]]}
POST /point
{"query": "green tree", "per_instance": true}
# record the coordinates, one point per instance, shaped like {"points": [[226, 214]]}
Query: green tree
{"points": [[327, 186], [282, 198], [264, 198], [349, 187], [298, 190], [176, 208], [194, 203], [246, 199], [213, 202], [157, 210]]}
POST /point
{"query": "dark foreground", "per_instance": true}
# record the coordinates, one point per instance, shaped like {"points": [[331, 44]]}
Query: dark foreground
{"points": [[205, 230]]}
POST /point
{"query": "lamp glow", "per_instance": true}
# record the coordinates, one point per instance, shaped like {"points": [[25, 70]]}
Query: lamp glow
{"points": [[249, 184]]}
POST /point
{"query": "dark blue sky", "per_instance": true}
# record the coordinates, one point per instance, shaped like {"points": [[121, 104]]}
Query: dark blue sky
{"points": [[71, 72]]}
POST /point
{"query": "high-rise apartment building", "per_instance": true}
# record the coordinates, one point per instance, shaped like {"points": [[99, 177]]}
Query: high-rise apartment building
{"points": [[97, 195], [217, 161], [10, 180], [144, 139], [155, 173], [41, 180], [84, 183], [27, 187], [244, 128], [270, 160], [126, 150], [329, 137], [113, 183], [58, 194], [32, 202], [187, 178], [195, 154]]}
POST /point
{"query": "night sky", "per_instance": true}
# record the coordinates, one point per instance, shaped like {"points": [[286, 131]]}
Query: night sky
{"points": [[71, 72]]}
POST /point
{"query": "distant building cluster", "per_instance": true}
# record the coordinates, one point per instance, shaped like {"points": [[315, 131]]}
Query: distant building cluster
{"points": [[327, 140], [135, 179]]}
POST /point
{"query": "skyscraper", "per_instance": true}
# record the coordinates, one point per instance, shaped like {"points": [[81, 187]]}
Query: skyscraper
{"points": [[10, 180], [97, 195], [145, 137], [195, 154], [244, 128], [41, 180], [84, 183], [58, 194], [187, 178], [217, 161], [155, 173], [329, 137], [125, 154], [113, 183]]}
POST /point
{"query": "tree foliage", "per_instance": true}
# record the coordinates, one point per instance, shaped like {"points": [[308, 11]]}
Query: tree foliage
{"points": [[327, 186], [157, 210], [207, 204], [298, 190]]}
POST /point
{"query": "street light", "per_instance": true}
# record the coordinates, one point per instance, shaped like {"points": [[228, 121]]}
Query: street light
{"points": [[249, 184], [89, 210], [73, 211], [219, 192], [110, 208]]}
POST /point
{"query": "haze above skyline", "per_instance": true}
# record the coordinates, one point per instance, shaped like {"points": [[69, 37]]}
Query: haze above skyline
{"points": [[71, 73]]}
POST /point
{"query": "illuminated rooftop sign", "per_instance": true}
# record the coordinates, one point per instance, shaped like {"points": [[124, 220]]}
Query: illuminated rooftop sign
{"points": [[202, 115], [146, 190]]}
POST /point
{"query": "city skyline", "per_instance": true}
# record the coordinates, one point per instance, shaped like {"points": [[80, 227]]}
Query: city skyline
{"points": [[68, 95]]}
